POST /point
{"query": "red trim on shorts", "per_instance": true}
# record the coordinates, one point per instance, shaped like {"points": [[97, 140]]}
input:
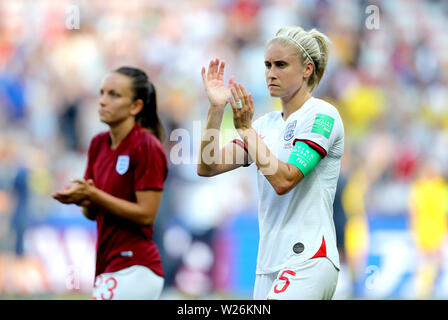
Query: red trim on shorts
{"points": [[322, 252]]}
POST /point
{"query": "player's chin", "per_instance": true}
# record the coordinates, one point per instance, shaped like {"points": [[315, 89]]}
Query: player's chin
{"points": [[274, 92], [105, 118], [105, 121]]}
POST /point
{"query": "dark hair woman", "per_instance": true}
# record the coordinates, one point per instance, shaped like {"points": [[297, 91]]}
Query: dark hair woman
{"points": [[122, 188]]}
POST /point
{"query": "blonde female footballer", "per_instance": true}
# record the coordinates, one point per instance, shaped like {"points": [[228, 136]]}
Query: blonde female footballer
{"points": [[298, 152]]}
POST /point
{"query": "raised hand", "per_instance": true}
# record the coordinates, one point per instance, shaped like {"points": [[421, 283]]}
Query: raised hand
{"points": [[243, 107], [218, 94]]}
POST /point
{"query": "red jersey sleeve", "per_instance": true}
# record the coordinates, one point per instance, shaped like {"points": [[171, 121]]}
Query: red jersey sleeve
{"points": [[151, 168], [90, 160]]}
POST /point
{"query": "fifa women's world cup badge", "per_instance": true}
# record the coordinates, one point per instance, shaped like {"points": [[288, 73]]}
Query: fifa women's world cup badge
{"points": [[122, 165]]}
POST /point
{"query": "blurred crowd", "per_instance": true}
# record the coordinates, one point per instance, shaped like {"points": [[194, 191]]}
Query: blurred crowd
{"points": [[389, 84]]}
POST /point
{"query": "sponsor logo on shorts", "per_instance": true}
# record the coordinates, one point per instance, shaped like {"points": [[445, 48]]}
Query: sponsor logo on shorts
{"points": [[298, 247]]}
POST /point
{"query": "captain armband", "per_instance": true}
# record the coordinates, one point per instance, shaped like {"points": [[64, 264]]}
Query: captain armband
{"points": [[304, 157]]}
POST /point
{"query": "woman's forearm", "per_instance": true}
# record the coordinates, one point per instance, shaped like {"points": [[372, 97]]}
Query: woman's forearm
{"points": [[128, 210], [209, 156], [281, 175]]}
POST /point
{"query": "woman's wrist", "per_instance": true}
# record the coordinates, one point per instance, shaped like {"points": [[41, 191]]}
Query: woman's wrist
{"points": [[245, 133], [214, 118], [218, 106], [92, 194], [214, 110]]}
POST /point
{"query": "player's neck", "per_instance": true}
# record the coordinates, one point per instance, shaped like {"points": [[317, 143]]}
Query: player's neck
{"points": [[119, 131], [294, 103]]}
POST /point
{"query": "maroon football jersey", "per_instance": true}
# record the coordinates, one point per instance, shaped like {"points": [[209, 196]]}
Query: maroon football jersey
{"points": [[138, 163]]}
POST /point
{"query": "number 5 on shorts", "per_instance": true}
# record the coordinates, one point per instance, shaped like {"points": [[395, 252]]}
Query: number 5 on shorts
{"points": [[285, 278]]}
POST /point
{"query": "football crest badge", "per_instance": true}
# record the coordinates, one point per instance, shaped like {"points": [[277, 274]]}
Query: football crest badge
{"points": [[289, 131], [122, 165]]}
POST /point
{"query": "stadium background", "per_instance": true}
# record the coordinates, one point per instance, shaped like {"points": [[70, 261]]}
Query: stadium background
{"points": [[389, 84]]}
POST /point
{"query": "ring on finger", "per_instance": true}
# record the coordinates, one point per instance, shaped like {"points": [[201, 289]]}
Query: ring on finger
{"points": [[238, 104]]}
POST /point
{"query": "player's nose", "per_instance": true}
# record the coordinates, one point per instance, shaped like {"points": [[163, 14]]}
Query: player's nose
{"points": [[271, 74], [102, 101]]}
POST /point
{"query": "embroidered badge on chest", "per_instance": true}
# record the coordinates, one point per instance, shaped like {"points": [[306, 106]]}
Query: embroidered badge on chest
{"points": [[289, 131], [122, 165]]}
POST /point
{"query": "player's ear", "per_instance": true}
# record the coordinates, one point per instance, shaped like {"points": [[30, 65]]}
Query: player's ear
{"points": [[136, 107], [308, 69]]}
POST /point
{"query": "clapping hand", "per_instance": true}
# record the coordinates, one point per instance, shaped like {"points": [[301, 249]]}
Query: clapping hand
{"points": [[77, 193], [218, 94], [243, 107]]}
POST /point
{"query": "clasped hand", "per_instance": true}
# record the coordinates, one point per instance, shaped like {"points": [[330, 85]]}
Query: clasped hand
{"points": [[78, 192]]}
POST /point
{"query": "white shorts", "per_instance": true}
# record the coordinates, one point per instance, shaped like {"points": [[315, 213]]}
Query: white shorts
{"points": [[315, 279], [132, 283]]}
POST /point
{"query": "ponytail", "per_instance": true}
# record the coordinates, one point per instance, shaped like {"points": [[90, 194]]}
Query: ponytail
{"points": [[144, 90], [320, 61]]}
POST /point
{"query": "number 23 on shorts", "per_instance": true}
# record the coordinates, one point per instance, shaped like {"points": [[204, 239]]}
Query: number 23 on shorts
{"points": [[109, 285]]}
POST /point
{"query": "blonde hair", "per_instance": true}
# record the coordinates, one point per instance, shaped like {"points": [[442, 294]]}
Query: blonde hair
{"points": [[313, 46]]}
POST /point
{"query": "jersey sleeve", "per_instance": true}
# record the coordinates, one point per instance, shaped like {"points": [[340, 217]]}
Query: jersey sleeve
{"points": [[88, 174], [151, 167], [319, 130]]}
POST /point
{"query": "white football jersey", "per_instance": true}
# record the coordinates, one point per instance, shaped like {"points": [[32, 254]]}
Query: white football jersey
{"points": [[295, 226]]}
